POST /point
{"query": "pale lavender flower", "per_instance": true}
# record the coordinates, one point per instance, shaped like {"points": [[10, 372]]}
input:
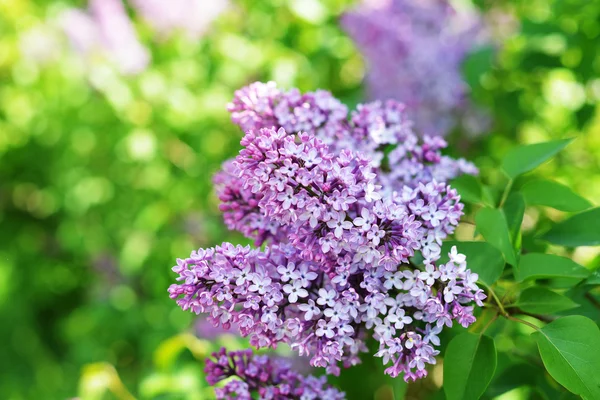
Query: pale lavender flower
{"points": [[193, 17], [414, 51], [82, 31], [105, 30], [119, 36]]}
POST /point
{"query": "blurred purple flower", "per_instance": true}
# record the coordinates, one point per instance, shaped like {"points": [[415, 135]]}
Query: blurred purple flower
{"points": [[105, 30], [206, 329], [190, 16], [414, 50]]}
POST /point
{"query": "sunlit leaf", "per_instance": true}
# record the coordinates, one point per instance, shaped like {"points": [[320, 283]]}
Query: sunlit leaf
{"points": [[524, 158], [539, 265], [100, 379], [553, 194], [169, 350]]}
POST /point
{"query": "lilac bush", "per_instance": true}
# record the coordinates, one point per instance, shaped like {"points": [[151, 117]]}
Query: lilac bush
{"points": [[414, 50], [339, 228], [270, 379]]}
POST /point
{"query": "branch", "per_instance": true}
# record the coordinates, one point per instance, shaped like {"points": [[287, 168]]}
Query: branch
{"points": [[545, 318], [522, 321], [592, 300]]}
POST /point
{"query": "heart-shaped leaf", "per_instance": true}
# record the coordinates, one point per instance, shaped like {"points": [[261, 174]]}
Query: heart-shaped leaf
{"points": [[570, 352]]}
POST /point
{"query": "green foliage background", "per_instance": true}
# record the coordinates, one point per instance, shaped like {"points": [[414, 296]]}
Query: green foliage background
{"points": [[105, 179]]}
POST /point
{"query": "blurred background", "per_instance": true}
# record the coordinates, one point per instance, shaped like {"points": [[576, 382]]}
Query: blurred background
{"points": [[113, 120]]}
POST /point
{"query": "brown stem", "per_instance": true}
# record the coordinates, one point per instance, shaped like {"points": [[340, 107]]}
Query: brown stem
{"points": [[545, 318], [522, 321], [494, 318], [592, 300]]}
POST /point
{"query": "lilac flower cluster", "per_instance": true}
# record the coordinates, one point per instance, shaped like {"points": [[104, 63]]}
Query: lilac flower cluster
{"points": [[414, 50], [371, 130], [341, 230], [270, 379]]}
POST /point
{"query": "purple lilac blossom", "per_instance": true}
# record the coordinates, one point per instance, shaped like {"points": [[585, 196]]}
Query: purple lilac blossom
{"points": [[190, 16], [260, 375], [414, 51], [368, 130], [105, 29], [276, 296], [337, 266], [240, 208]]}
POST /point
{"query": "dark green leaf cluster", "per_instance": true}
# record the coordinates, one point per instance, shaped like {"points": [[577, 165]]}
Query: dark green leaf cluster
{"points": [[538, 295]]}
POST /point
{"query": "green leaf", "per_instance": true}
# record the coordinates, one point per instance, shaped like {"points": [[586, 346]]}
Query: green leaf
{"points": [[482, 258], [468, 187], [469, 365], [492, 225], [540, 300], [523, 159], [582, 229], [594, 279], [539, 265], [570, 352], [553, 194], [514, 210]]}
